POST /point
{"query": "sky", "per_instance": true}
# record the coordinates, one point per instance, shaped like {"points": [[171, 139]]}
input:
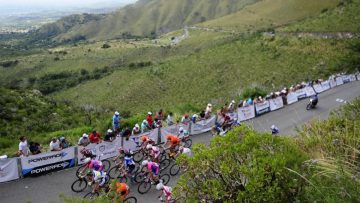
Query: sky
{"points": [[58, 3]]}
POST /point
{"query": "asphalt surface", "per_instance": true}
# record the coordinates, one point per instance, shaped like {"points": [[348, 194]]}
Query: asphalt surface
{"points": [[48, 188]]}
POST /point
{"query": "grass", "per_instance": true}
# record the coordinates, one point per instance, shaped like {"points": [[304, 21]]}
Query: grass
{"points": [[344, 18], [270, 14]]}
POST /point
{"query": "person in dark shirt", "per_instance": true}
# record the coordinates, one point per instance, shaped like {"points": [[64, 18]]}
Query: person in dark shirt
{"points": [[35, 148]]}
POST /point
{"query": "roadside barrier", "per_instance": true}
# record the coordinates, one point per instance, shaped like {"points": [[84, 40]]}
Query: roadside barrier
{"points": [[35, 165]]}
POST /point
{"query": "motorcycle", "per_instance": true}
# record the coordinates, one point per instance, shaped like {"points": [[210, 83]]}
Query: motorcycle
{"points": [[312, 104]]}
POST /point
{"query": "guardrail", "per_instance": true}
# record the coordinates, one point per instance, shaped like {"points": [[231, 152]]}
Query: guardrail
{"points": [[35, 165]]}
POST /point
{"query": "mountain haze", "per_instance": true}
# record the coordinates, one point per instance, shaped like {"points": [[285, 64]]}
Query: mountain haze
{"points": [[144, 18]]}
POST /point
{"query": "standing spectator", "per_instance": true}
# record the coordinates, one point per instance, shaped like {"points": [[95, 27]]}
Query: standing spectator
{"points": [[109, 136], [116, 122], [35, 148], [84, 140], [144, 126], [149, 119], [231, 107], [249, 101], [157, 123], [126, 133], [55, 145], [95, 137], [160, 115], [194, 118], [170, 119], [64, 143], [208, 111], [185, 119], [136, 130], [23, 147]]}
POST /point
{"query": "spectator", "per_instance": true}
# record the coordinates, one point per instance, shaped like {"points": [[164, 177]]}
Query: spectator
{"points": [[202, 115], [23, 147], [157, 123], [136, 130], [208, 111], [95, 137], [225, 108], [64, 143], [35, 148], [84, 140], [116, 122], [240, 104], [185, 119], [249, 102], [170, 119], [109, 136], [231, 107], [260, 99], [126, 133], [55, 145], [149, 119], [144, 126], [160, 115], [194, 118]]}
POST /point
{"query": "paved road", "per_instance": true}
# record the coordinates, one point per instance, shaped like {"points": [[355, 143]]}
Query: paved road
{"points": [[47, 188]]}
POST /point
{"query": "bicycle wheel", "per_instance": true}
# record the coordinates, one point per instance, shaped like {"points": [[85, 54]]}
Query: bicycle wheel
{"points": [[144, 187], [174, 169], [130, 200], [123, 179], [188, 143], [114, 172], [165, 178], [164, 164], [138, 156], [79, 185], [139, 176], [106, 164], [78, 171], [91, 195]]}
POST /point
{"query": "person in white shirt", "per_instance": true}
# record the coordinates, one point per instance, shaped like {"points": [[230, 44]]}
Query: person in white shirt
{"points": [[84, 140], [170, 119], [23, 147], [55, 145]]}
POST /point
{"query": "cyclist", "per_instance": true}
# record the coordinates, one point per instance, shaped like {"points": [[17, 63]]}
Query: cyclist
{"points": [[145, 140], [129, 163], [154, 153], [99, 178], [183, 132], [92, 164], [153, 169], [165, 190], [184, 150], [274, 130], [174, 143], [122, 189]]}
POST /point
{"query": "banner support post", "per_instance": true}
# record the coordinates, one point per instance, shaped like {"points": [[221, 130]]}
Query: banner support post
{"points": [[18, 161]]}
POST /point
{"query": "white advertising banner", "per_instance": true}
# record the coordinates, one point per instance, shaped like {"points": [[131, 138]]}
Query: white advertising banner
{"points": [[325, 85], [106, 150], [246, 113], [309, 91], [47, 162], [134, 143], [352, 77], [346, 78], [318, 88], [276, 103], [262, 107], [292, 97], [8, 170], [339, 81], [332, 83], [301, 93], [203, 126]]}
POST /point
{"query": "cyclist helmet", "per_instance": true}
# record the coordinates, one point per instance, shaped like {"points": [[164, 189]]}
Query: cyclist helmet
{"points": [[160, 186], [144, 138], [87, 160], [168, 137], [181, 129], [96, 167], [145, 162], [272, 127], [149, 146]]}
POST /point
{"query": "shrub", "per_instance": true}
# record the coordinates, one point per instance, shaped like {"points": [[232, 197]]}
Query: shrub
{"points": [[105, 46], [253, 92]]}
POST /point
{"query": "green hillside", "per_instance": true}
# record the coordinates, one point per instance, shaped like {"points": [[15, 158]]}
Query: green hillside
{"points": [[345, 18], [270, 14], [145, 18]]}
